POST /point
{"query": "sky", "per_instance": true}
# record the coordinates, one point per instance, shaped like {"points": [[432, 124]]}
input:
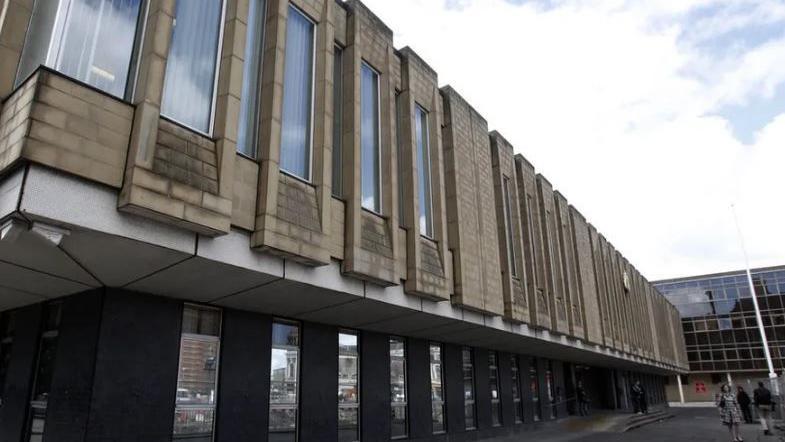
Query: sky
{"points": [[652, 117]]}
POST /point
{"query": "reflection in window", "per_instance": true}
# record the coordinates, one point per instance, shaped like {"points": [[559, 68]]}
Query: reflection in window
{"points": [[7, 331], [508, 227], [45, 365], [468, 388], [399, 153], [516, 389], [369, 139], [348, 388], [338, 122], [89, 40], [284, 377], [398, 408], [252, 76], [493, 384], [534, 387], [423, 171], [297, 95], [550, 388], [191, 67], [437, 389], [197, 377]]}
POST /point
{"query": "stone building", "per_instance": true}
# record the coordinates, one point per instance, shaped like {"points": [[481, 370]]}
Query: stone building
{"points": [[215, 215]]}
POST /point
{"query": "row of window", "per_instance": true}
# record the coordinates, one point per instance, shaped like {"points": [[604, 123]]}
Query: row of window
{"points": [[199, 362], [97, 42]]}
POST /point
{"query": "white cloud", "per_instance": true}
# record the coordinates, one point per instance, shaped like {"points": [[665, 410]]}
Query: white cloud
{"points": [[614, 102]]}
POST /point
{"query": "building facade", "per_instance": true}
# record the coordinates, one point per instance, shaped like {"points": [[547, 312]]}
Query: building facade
{"points": [[721, 331], [259, 220]]}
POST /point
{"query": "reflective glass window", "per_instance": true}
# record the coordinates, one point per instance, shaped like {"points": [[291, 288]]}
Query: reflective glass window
{"points": [[424, 192], [297, 114], [370, 154], [192, 65], [247, 131], [89, 40], [493, 384], [338, 122], [7, 331], [284, 381], [45, 366], [468, 388], [437, 390], [348, 388], [398, 403], [534, 387], [515, 376], [508, 227], [197, 377]]}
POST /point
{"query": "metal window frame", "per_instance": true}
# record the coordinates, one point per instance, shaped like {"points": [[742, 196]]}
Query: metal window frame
{"points": [[469, 402], [298, 324], [405, 403], [442, 403], [204, 338], [429, 165], [254, 139], [378, 183], [355, 405]]}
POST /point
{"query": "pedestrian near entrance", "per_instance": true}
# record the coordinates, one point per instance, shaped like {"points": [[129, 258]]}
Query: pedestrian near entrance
{"points": [[729, 412], [639, 403], [744, 402], [765, 405], [583, 399]]}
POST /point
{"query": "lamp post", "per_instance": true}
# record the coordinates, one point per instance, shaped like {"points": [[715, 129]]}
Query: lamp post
{"points": [[772, 374]]}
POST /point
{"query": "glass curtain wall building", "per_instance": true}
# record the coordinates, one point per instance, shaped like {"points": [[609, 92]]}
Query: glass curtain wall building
{"points": [[720, 329]]}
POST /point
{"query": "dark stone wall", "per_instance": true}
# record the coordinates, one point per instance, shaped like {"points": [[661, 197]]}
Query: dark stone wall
{"points": [[418, 375], [72, 381], [453, 388], [19, 379], [319, 379], [244, 383], [375, 387], [483, 391], [136, 369]]}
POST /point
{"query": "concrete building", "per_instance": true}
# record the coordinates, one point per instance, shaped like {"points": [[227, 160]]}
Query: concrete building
{"points": [[721, 332], [215, 215]]}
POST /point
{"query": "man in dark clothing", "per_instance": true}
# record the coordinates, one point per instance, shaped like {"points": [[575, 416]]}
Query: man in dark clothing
{"points": [[744, 402], [583, 399], [639, 402], [765, 405]]}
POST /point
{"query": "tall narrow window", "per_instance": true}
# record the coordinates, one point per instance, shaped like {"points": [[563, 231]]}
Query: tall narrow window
{"points": [[369, 139], [437, 389], [192, 65], [45, 366], [493, 384], [284, 382], [7, 331], [534, 387], [529, 232], [398, 405], [424, 171], [297, 116], [247, 131], [508, 228], [468, 389], [338, 122], [348, 388], [550, 389], [399, 154], [516, 388], [197, 378], [89, 40]]}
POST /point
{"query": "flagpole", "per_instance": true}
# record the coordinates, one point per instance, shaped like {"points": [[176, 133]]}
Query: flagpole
{"points": [[761, 329]]}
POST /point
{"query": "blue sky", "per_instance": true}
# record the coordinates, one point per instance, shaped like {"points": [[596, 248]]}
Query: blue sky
{"points": [[651, 117]]}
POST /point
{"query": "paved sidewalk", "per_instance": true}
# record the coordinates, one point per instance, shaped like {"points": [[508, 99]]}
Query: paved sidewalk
{"points": [[688, 425]]}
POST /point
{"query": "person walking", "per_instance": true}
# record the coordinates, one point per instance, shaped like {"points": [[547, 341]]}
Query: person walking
{"points": [[729, 411], [765, 405], [638, 394], [744, 402], [583, 399]]}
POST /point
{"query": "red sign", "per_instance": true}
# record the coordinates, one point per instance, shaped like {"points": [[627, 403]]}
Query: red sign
{"points": [[700, 387]]}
